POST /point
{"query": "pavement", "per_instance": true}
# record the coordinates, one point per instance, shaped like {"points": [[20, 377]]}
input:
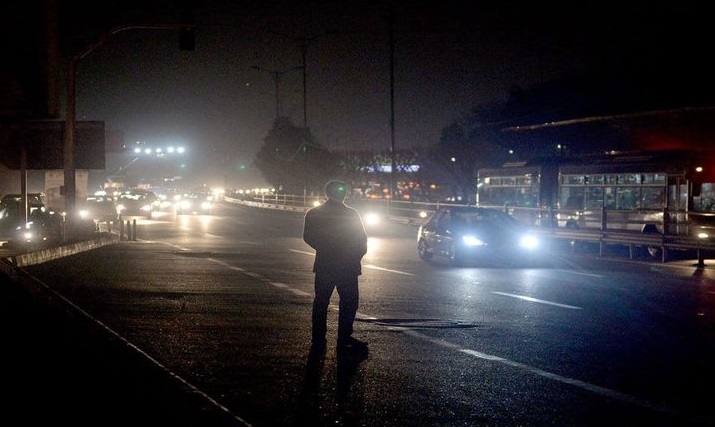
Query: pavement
{"points": [[62, 368]]}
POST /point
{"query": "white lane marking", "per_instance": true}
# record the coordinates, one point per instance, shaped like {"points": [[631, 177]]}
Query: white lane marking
{"points": [[540, 301], [603, 391], [580, 273], [374, 267], [290, 289], [369, 266], [302, 252]]}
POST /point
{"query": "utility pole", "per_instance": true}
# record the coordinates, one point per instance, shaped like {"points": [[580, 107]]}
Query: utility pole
{"points": [[393, 165], [277, 78], [303, 43]]}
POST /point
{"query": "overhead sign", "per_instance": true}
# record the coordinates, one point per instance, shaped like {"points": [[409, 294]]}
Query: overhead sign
{"points": [[43, 143]]}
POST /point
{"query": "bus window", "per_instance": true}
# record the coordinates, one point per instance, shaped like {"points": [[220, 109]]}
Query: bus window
{"points": [[653, 197], [706, 201], [594, 198], [627, 198]]}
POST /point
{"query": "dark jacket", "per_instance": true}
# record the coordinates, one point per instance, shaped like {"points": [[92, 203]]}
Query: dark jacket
{"points": [[338, 236]]}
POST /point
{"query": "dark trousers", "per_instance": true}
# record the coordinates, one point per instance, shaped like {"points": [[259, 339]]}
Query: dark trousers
{"points": [[347, 292]]}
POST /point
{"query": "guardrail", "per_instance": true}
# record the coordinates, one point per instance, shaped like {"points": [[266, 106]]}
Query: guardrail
{"points": [[607, 233]]}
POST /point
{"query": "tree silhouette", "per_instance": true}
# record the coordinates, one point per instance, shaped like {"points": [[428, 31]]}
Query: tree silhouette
{"points": [[292, 161]]}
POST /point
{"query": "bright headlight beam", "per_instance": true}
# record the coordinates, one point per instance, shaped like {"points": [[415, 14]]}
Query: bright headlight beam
{"points": [[529, 242], [472, 241]]}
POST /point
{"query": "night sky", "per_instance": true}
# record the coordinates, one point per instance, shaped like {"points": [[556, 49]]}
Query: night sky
{"points": [[448, 58]]}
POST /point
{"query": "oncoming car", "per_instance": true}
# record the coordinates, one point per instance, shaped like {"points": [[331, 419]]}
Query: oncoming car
{"points": [[463, 234], [137, 202], [194, 203]]}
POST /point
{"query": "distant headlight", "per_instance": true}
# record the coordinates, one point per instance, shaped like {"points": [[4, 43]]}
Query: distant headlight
{"points": [[472, 241], [372, 218], [529, 242]]}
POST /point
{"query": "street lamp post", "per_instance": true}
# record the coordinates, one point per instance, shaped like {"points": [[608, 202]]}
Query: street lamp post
{"points": [[68, 162]]}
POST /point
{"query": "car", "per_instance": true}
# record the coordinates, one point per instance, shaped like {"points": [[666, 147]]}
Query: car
{"points": [[99, 209], [463, 234], [41, 226], [137, 202], [194, 203]]}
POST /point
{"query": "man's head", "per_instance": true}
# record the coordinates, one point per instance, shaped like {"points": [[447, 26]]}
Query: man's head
{"points": [[336, 190]]}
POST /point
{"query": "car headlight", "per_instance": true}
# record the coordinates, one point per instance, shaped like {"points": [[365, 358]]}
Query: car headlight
{"points": [[472, 241], [372, 218], [529, 242]]}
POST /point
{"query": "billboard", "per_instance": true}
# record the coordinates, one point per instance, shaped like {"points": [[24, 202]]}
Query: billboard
{"points": [[43, 142]]}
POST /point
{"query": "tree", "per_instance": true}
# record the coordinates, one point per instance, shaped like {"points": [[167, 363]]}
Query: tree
{"points": [[292, 161], [465, 146]]}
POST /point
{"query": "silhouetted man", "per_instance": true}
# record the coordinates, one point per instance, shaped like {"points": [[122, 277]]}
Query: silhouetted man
{"points": [[337, 234]]}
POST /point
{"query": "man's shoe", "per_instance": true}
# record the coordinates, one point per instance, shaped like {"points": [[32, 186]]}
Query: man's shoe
{"points": [[351, 343]]}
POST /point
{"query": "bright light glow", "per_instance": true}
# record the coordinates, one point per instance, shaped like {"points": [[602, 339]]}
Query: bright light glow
{"points": [[83, 213], [472, 241], [137, 150], [423, 214], [147, 151], [372, 218], [170, 149], [316, 203], [180, 150], [529, 242], [699, 169], [703, 235]]}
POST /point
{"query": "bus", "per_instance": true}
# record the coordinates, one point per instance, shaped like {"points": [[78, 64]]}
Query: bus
{"points": [[670, 192]]}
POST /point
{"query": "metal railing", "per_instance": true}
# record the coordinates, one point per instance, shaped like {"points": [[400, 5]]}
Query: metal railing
{"points": [[660, 231]]}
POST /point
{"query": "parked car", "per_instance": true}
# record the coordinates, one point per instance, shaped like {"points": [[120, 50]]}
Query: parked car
{"points": [[40, 227], [33, 199], [464, 234], [137, 202]]}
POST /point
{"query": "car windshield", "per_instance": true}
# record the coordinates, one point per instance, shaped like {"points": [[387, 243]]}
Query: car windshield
{"points": [[471, 217]]}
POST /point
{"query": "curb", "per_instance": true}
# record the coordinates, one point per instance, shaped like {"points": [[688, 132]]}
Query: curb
{"points": [[38, 257]]}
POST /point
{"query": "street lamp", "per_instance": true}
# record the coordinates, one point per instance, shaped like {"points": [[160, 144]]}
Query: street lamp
{"points": [[277, 74], [186, 42]]}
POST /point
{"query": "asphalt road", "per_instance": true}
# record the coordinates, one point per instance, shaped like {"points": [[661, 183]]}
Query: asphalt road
{"points": [[226, 312]]}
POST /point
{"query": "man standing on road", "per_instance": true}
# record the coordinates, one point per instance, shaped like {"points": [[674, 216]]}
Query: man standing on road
{"points": [[337, 234]]}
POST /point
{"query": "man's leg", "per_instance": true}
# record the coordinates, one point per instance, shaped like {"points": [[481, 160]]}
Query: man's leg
{"points": [[323, 292], [349, 297]]}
